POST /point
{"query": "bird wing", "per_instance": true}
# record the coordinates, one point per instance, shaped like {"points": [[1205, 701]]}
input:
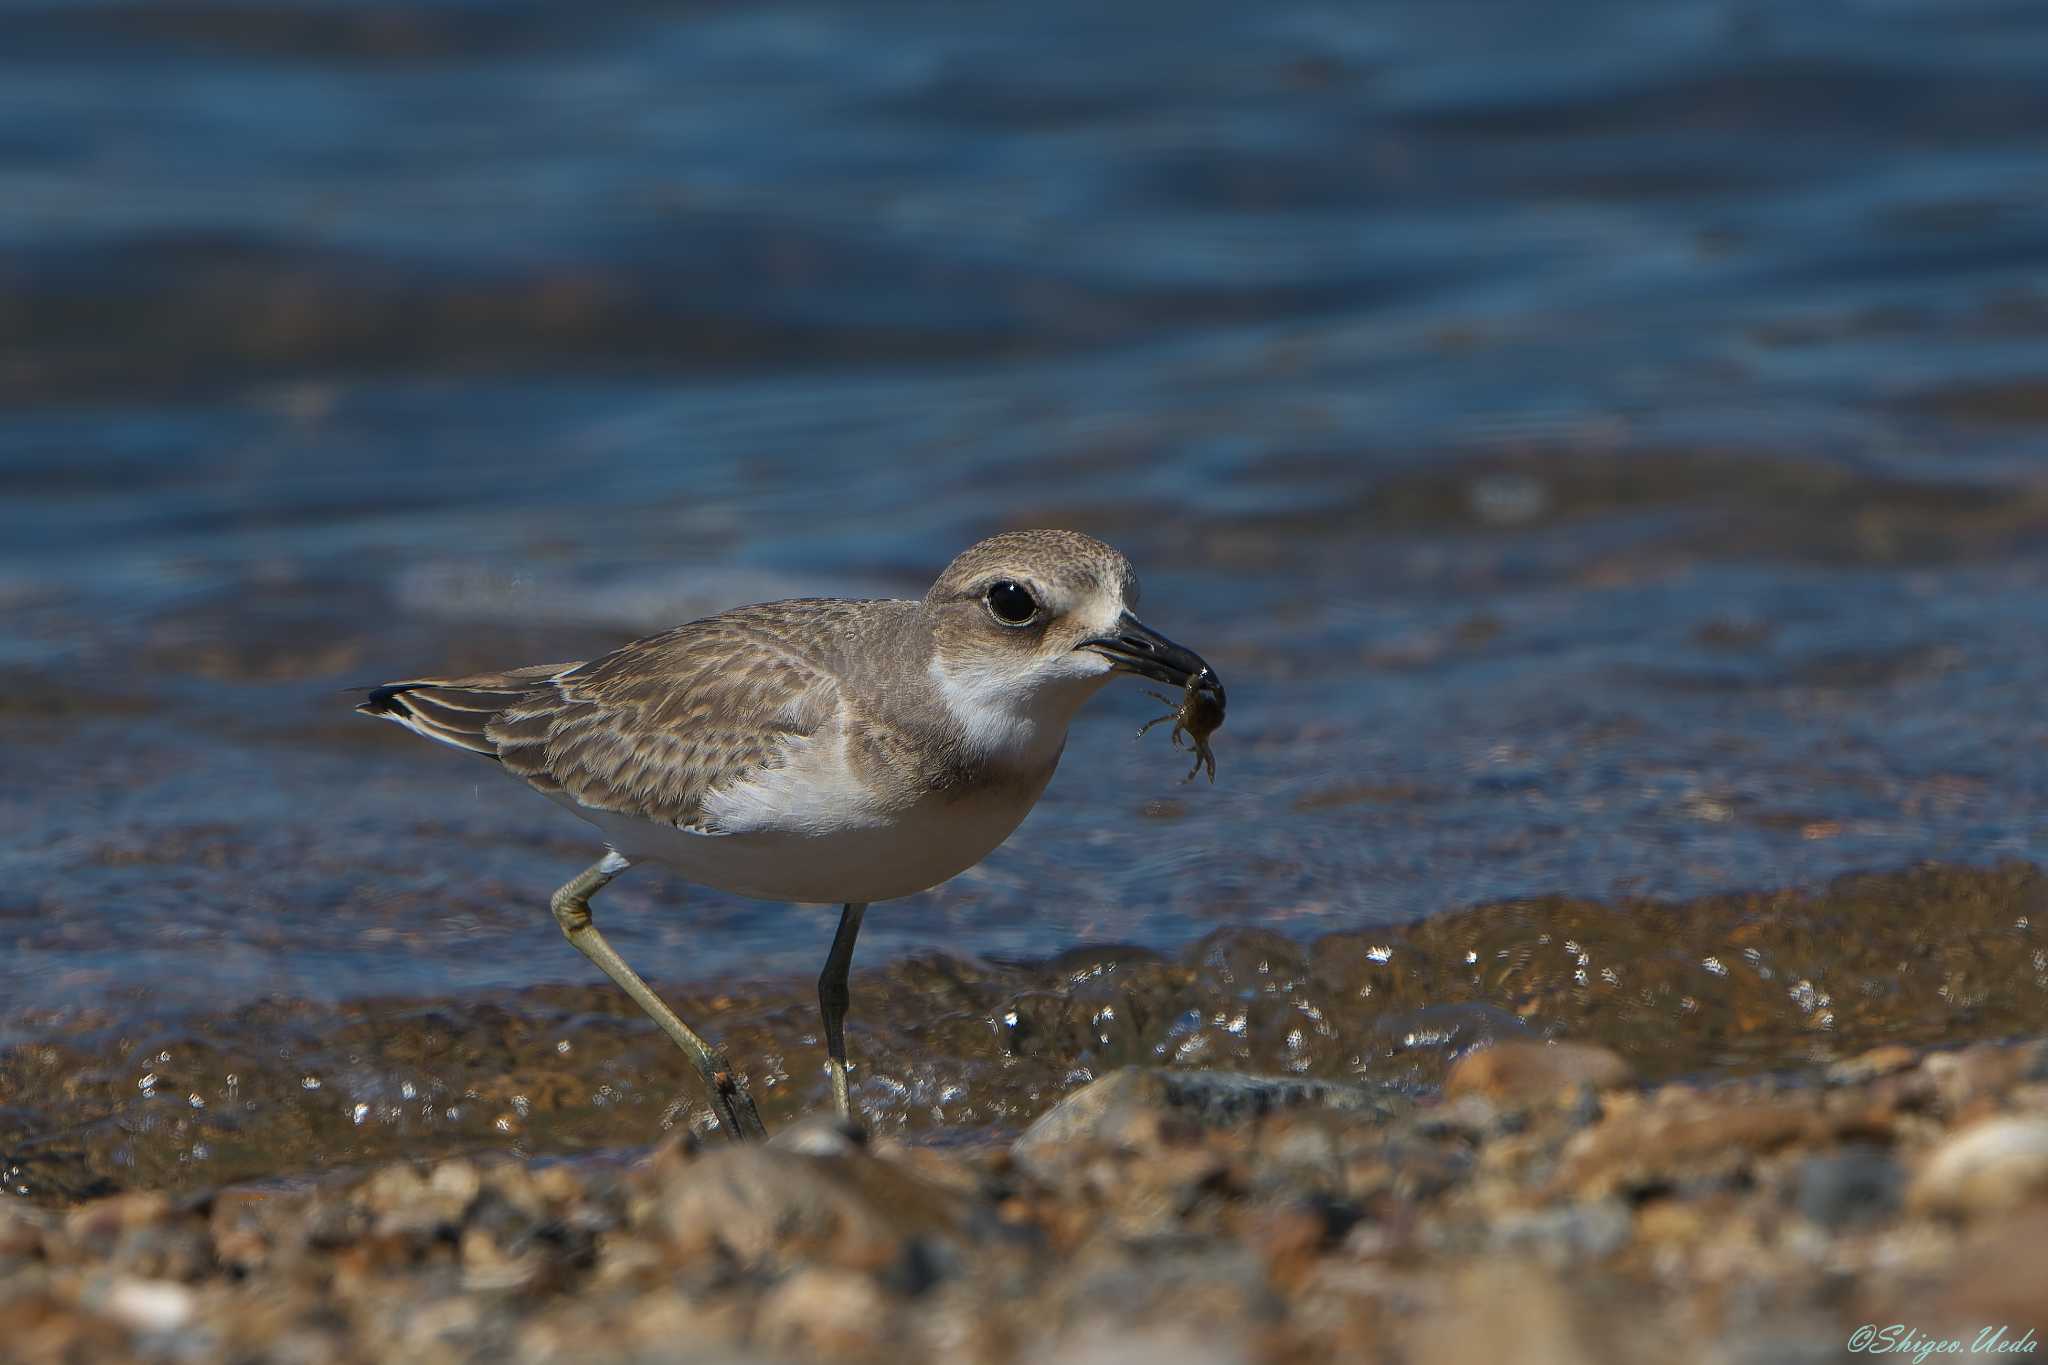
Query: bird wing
{"points": [[655, 728]]}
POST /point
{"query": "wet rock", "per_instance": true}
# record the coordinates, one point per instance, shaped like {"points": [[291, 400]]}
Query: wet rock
{"points": [[1126, 1106], [1987, 1167], [1855, 1186], [1515, 1071]]}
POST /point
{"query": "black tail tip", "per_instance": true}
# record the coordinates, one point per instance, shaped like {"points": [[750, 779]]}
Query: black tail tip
{"points": [[379, 702]]}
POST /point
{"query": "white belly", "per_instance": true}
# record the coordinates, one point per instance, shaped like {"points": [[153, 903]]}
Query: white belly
{"points": [[924, 846]]}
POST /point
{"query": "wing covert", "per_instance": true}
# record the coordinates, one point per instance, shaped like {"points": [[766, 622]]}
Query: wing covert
{"points": [[655, 728]]}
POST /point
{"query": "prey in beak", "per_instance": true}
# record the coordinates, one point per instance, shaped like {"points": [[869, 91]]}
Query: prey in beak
{"points": [[1135, 647]]}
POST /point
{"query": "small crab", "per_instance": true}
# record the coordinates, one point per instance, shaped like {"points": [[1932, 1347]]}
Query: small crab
{"points": [[1198, 714]]}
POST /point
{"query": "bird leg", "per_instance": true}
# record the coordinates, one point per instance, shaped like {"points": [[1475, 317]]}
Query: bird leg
{"points": [[729, 1095], [833, 999]]}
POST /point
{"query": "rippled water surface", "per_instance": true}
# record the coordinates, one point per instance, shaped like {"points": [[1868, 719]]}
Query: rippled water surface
{"points": [[1601, 445]]}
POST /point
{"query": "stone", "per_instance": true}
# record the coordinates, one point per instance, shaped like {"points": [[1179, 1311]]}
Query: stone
{"points": [[1654, 1145], [419, 1206], [767, 1208], [1503, 1310], [148, 1305], [1987, 1167], [1962, 1077], [819, 1134], [99, 1225], [1217, 1287], [1854, 1187], [21, 1228], [1883, 1060], [1516, 1071], [1105, 1111], [455, 1184], [1106, 1344], [1998, 1279], [1565, 1233], [826, 1313]]}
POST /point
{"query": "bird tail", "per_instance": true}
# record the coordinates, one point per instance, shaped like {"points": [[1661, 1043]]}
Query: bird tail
{"points": [[457, 711]]}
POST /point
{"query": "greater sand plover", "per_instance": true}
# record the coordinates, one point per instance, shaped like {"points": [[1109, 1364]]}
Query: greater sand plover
{"points": [[819, 750]]}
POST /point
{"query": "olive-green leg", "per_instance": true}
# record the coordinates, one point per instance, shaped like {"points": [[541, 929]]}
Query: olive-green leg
{"points": [[729, 1095]]}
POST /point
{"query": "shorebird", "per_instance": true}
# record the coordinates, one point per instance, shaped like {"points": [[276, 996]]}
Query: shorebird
{"points": [[818, 750]]}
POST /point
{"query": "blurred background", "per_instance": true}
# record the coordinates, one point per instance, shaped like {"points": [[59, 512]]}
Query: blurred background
{"points": [[1601, 445]]}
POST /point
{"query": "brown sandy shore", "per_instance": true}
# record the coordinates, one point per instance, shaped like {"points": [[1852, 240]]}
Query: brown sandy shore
{"points": [[1870, 1155]]}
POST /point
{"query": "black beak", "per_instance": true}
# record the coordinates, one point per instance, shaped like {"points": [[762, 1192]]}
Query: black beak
{"points": [[1135, 647]]}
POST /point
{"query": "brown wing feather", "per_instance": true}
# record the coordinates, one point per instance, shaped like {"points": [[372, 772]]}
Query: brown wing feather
{"points": [[656, 727]]}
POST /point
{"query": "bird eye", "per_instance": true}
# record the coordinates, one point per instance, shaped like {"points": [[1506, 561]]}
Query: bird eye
{"points": [[1011, 603]]}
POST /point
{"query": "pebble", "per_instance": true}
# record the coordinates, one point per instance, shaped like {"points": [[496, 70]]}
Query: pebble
{"points": [[1883, 1060], [1998, 1277], [826, 1313], [1501, 1310], [765, 1207], [1857, 1185], [819, 1135], [21, 1228], [1567, 1233], [149, 1305], [1127, 1105], [1648, 1146], [1143, 1346], [1987, 1167], [1962, 1077], [1516, 1071]]}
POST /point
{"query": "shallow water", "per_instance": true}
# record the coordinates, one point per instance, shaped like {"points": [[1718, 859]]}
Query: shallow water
{"points": [[1601, 446]]}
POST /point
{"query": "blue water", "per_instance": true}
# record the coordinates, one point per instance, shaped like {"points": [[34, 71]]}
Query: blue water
{"points": [[1601, 445]]}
